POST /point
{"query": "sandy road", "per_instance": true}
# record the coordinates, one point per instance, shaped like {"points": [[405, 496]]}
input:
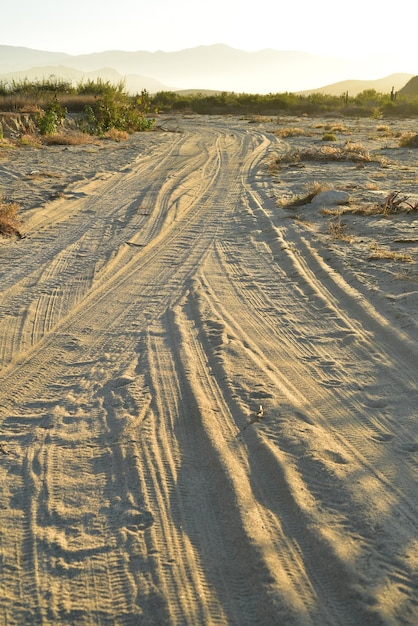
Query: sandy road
{"points": [[143, 322]]}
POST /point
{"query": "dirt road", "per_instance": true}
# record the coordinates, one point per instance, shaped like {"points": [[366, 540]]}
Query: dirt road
{"points": [[203, 421]]}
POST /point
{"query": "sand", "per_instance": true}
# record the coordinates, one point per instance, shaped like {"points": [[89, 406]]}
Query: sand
{"points": [[163, 293]]}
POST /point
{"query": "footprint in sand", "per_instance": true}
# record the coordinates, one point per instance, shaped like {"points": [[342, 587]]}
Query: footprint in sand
{"points": [[138, 520], [382, 438], [335, 457], [375, 403], [331, 382]]}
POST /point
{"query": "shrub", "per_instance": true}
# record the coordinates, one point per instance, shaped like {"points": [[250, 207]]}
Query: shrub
{"points": [[9, 222], [48, 121], [117, 111], [350, 152], [290, 132], [67, 139], [408, 140], [395, 203], [338, 230], [329, 137]]}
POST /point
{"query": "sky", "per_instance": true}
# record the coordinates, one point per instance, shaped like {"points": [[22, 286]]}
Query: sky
{"points": [[357, 29]]}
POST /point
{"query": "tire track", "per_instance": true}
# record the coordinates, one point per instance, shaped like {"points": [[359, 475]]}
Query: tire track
{"points": [[141, 487]]}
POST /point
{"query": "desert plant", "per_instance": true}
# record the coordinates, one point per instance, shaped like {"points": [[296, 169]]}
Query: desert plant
{"points": [[48, 121], [338, 230], [395, 203], [290, 132], [9, 221], [384, 129], [339, 128], [378, 253], [312, 190], [67, 139], [117, 111], [408, 140], [350, 152], [117, 135], [329, 137]]}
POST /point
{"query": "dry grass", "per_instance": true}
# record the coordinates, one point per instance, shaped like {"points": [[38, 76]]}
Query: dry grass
{"points": [[408, 140], [338, 230], [338, 128], [393, 204], [259, 119], [334, 212], [378, 253], [6, 144], [31, 141], [68, 139], [291, 132], [384, 130], [312, 190], [9, 221], [355, 152], [116, 135]]}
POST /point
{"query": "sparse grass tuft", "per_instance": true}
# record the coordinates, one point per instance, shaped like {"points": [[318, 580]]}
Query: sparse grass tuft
{"points": [[350, 152], [329, 137], [259, 119], [393, 204], [335, 212], [384, 130], [408, 140], [382, 254], [116, 135], [68, 139], [313, 189], [338, 128], [31, 141], [355, 151], [338, 230], [9, 221], [290, 132]]}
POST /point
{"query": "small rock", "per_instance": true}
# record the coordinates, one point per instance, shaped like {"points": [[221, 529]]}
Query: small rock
{"points": [[331, 197]]}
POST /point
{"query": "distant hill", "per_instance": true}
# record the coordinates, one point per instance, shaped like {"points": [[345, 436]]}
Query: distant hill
{"points": [[217, 67], [354, 87], [411, 87]]}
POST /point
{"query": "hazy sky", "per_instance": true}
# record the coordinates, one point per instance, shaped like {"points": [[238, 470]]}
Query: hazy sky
{"points": [[353, 30]]}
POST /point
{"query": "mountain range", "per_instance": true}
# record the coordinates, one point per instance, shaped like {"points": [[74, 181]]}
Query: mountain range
{"points": [[217, 67]]}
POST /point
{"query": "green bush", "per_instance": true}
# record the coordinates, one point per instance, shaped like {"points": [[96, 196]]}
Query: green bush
{"points": [[117, 111], [47, 122], [108, 106]]}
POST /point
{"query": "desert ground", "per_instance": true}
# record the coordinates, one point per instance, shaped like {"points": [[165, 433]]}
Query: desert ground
{"points": [[208, 391]]}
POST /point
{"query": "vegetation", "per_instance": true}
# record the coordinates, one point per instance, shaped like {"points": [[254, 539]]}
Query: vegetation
{"points": [[369, 103], [107, 100], [395, 203], [48, 120], [9, 222], [312, 190], [118, 111], [329, 137], [408, 140], [100, 106], [351, 151], [377, 253], [338, 230]]}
